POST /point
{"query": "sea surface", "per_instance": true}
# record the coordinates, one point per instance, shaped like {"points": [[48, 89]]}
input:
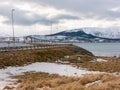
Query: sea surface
{"points": [[102, 49]]}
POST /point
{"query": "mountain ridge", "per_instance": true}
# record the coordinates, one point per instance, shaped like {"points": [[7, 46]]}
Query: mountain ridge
{"points": [[76, 35], [101, 32]]}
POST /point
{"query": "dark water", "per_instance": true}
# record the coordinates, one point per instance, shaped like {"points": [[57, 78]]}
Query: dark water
{"points": [[102, 49]]}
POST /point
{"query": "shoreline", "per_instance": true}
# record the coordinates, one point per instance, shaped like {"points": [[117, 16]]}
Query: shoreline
{"points": [[22, 57], [74, 56]]}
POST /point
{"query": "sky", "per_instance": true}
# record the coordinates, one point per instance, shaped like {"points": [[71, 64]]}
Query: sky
{"points": [[37, 16]]}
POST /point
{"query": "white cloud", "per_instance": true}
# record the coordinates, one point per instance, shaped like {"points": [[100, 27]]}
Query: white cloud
{"points": [[34, 16]]}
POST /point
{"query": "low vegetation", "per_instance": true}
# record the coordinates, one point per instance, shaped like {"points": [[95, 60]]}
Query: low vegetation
{"points": [[112, 65], [76, 56], [18, 58], [45, 81]]}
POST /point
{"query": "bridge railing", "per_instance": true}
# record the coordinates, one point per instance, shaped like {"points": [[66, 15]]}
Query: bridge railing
{"points": [[32, 47]]}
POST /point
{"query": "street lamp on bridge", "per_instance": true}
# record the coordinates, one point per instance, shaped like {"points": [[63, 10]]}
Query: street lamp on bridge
{"points": [[12, 11]]}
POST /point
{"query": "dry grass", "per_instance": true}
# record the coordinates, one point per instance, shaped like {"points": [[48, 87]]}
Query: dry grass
{"points": [[14, 58], [83, 58], [112, 65], [45, 81], [109, 83]]}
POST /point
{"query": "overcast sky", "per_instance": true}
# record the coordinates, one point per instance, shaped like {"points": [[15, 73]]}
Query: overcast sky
{"points": [[36, 16]]}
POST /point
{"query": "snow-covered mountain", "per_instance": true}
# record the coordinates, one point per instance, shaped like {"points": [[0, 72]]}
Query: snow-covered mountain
{"points": [[100, 32], [103, 32], [83, 35]]}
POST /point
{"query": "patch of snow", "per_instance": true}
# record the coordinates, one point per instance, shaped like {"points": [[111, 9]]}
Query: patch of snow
{"points": [[99, 60], [92, 83], [51, 68], [44, 88], [116, 73]]}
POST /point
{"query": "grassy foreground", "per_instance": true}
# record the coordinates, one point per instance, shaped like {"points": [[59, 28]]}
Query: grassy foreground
{"points": [[111, 65], [45, 81], [19, 58]]}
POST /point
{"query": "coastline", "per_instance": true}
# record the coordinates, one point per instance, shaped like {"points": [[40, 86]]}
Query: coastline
{"points": [[24, 57], [75, 56]]}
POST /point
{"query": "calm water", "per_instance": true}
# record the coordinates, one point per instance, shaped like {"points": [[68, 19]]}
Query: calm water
{"points": [[102, 49]]}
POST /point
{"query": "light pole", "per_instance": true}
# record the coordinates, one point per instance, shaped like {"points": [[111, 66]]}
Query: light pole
{"points": [[51, 31], [13, 26], [51, 27]]}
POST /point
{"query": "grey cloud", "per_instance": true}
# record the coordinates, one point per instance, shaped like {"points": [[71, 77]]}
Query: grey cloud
{"points": [[114, 14], [96, 9], [65, 16], [88, 8], [22, 18]]}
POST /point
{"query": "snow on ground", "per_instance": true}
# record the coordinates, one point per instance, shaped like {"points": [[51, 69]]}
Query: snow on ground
{"points": [[99, 60], [67, 70], [92, 83]]}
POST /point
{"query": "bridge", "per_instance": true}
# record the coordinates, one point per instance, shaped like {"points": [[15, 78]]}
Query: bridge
{"points": [[29, 42], [29, 46], [32, 39]]}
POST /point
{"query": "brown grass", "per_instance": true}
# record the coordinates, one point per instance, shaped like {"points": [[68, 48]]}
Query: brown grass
{"points": [[83, 58], [45, 81], [112, 65], [14, 58], [32, 81]]}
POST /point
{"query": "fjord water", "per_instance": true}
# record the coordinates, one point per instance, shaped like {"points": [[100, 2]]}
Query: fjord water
{"points": [[102, 49]]}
